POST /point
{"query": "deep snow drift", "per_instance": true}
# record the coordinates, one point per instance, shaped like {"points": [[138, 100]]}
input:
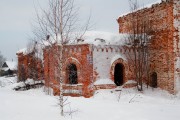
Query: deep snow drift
{"points": [[128, 104]]}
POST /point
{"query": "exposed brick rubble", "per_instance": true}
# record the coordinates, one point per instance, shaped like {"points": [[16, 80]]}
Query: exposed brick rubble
{"points": [[29, 67]]}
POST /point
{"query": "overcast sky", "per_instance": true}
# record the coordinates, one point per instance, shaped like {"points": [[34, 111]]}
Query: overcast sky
{"points": [[16, 17]]}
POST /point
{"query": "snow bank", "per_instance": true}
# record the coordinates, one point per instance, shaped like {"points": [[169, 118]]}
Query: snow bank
{"points": [[6, 81], [31, 81], [131, 82], [128, 104], [103, 81], [27, 82]]}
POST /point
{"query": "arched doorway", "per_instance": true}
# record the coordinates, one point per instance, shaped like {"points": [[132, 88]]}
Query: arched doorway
{"points": [[72, 74], [154, 80], [119, 74]]}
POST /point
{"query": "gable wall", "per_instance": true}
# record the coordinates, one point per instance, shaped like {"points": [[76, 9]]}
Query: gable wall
{"points": [[162, 55]]}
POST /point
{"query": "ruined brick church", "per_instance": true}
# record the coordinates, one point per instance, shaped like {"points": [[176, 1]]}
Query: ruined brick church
{"points": [[100, 60]]}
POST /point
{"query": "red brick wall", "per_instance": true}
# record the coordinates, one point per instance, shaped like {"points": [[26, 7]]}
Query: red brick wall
{"points": [[161, 49], [81, 56], [29, 64]]}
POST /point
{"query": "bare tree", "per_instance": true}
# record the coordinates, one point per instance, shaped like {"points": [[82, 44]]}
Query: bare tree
{"points": [[139, 39], [2, 59], [57, 26]]}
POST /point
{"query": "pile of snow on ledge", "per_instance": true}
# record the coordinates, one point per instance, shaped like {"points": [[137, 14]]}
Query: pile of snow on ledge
{"points": [[103, 81], [144, 7], [27, 82]]}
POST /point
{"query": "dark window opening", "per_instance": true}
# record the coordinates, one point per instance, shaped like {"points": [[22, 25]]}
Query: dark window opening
{"points": [[72, 74], [119, 74], [154, 80]]}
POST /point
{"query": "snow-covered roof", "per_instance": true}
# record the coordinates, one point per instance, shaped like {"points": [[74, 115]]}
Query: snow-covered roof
{"points": [[93, 37], [102, 38], [90, 37], [12, 65], [143, 7]]}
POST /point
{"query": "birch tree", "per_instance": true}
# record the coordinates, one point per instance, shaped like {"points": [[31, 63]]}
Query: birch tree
{"points": [[56, 26]]}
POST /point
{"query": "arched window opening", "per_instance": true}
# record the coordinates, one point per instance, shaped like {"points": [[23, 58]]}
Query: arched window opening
{"points": [[72, 74], [119, 74], [154, 80]]}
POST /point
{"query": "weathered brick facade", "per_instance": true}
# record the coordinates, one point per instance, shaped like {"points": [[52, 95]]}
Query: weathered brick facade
{"points": [[29, 67], [164, 49], [91, 65], [78, 55]]}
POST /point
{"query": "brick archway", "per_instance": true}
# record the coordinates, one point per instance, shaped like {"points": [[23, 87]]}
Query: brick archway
{"points": [[119, 61], [68, 62]]}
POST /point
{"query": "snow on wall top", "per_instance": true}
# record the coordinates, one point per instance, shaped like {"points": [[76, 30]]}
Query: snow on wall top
{"points": [[146, 6], [24, 51], [102, 38], [38, 48]]}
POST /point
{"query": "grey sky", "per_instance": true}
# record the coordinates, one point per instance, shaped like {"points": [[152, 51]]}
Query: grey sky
{"points": [[16, 17]]}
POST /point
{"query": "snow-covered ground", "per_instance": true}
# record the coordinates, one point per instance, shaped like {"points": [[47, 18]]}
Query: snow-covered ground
{"points": [[127, 104]]}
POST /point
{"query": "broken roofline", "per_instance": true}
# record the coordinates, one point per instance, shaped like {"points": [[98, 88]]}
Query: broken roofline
{"points": [[149, 6]]}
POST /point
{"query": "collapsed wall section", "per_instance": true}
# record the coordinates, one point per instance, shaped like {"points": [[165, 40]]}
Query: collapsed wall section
{"points": [[29, 66]]}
